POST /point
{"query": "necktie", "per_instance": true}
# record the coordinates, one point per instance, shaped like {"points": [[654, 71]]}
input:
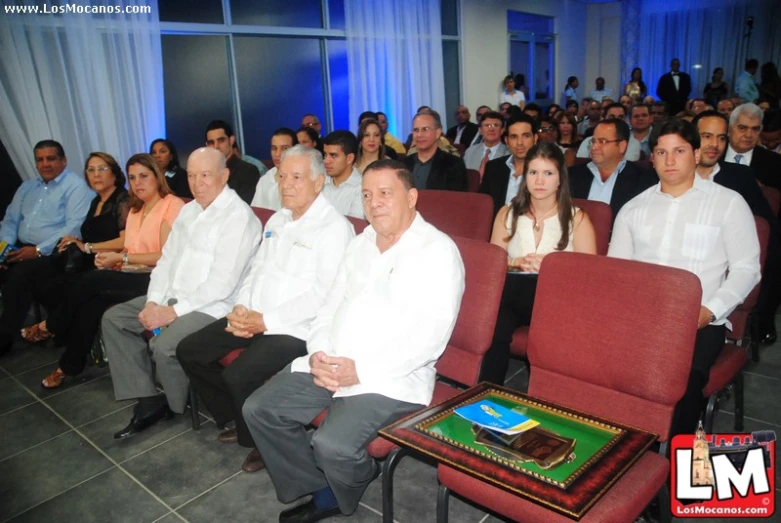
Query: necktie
{"points": [[485, 161], [738, 158]]}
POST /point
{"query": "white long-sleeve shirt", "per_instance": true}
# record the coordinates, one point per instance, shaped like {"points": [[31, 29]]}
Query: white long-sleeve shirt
{"points": [[392, 312], [348, 196], [295, 267], [206, 256], [267, 192], [709, 231]]}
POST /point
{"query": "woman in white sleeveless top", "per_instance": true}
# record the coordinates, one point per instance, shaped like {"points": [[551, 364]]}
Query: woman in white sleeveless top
{"points": [[540, 219]]}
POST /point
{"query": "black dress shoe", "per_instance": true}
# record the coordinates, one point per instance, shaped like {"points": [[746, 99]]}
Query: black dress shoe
{"points": [[138, 424], [307, 513]]}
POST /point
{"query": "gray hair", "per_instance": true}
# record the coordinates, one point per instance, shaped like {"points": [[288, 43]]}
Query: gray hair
{"points": [[432, 113], [753, 111], [316, 164]]}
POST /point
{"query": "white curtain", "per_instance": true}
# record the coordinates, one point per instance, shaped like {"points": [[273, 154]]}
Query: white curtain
{"points": [[707, 34], [394, 57], [93, 82]]}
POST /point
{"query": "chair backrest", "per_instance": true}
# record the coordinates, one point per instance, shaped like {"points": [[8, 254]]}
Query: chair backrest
{"points": [[739, 317], [773, 197], [582, 161], [460, 147], [466, 214], [268, 163], [472, 180], [359, 224], [601, 217], [613, 337], [263, 214], [486, 268], [648, 164]]}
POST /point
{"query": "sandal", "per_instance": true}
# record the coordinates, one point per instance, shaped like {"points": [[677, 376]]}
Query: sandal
{"points": [[36, 333], [53, 380]]}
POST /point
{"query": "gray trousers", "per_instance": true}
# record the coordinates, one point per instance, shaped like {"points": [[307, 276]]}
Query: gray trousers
{"points": [[335, 455], [129, 359]]}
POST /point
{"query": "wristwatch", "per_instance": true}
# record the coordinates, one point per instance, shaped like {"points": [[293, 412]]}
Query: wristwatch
{"points": [[37, 252], [712, 317], [124, 259], [88, 247]]}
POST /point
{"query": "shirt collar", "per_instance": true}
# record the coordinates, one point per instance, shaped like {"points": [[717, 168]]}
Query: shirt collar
{"points": [[700, 185], [714, 172], [222, 200], [314, 212], [595, 170], [510, 164], [413, 231]]}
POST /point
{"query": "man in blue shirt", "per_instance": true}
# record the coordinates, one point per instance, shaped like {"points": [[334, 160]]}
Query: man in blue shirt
{"points": [[745, 86], [43, 210]]}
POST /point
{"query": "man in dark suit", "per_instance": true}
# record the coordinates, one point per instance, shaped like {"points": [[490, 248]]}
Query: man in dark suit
{"points": [[502, 176], [243, 176], [745, 125], [465, 131], [674, 87], [609, 177], [431, 167]]}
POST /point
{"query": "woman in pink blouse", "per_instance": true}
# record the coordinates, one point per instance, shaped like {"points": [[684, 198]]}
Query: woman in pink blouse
{"points": [[124, 275]]}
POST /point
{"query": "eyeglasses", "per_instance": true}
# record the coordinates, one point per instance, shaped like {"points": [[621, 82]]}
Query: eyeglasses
{"points": [[101, 169], [424, 130], [602, 141], [547, 129], [311, 124], [492, 125]]}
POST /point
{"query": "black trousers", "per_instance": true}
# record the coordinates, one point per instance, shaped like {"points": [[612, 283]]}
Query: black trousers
{"points": [[707, 347], [76, 321], [224, 389], [515, 311]]}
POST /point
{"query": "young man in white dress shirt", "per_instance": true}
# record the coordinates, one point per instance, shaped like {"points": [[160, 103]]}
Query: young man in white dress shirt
{"points": [[343, 183], [194, 283], [699, 226], [267, 191], [371, 353], [288, 281]]}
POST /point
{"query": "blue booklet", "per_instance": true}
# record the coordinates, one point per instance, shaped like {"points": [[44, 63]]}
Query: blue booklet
{"points": [[495, 417], [5, 249]]}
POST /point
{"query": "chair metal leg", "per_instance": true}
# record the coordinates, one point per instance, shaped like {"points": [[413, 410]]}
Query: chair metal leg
{"points": [[387, 482], [443, 497], [710, 412], [739, 402], [194, 408]]}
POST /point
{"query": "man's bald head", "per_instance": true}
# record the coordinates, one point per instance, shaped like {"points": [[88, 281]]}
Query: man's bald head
{"points": [[207, 174]]}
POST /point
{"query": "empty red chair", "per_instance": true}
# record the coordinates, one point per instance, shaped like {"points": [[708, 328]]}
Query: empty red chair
{"points": [[773, 197], [486, 268], [728, 368], [466, 214], [612, 338]]}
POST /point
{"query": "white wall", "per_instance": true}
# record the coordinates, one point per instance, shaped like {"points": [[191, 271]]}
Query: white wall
{"points": [[603, 49], [485, 48]]}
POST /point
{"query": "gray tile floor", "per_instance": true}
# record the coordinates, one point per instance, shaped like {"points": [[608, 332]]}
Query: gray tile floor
{"points": [[59, 462]]}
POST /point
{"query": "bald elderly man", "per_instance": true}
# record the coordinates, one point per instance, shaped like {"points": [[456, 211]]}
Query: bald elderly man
{"points": [[194, 283]]}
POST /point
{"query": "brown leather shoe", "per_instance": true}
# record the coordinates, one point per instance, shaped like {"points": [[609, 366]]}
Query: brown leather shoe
{"points": [[253, 462], [228, 436]]}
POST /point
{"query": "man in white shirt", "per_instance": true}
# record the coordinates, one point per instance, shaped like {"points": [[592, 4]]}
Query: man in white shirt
{"points": [[699, 226], [267, 191], [601, 91], [477, 156], [195, 282], [372, 350], [640, 120], [343, 183], [288, 281]]}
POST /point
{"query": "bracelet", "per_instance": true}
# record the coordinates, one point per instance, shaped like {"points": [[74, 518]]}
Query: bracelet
{"points": [[38, 252], [124, 259], [88, 247]]}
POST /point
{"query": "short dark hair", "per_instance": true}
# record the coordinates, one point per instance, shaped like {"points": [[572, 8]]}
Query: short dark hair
{"points": [[174, 163], [523, 118], [487, 107], [402, 172], [637, 106], [614, 105], [219, 124], [45, 144], [570, 103], [367, 114], [710, 114], [571, 79], [621, 127], [532, 107], [771, 121], [677, 126], [752, 63], [383, 114], [345, 139], [286, 131], [423, 107], [494, 115]]}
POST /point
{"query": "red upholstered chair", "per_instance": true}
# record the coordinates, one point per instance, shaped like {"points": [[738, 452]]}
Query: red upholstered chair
{"points": [[486, 269], [602, 218], [773, 197], [263, 214], [728, 369], [473, 180], [268, 163], [581, 161], [466, 214], [359, 224], [612, 338]]}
